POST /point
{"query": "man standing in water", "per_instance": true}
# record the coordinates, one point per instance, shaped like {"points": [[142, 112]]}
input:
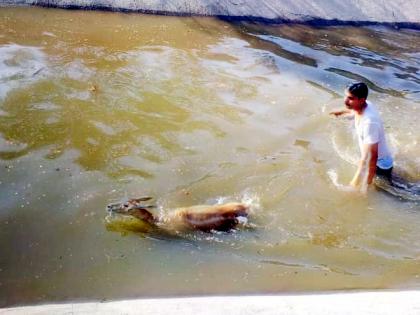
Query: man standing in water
{"points": [[375, 155]]}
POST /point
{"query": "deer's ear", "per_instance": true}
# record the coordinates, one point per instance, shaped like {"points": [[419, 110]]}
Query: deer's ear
{"points": [[145, 198]]}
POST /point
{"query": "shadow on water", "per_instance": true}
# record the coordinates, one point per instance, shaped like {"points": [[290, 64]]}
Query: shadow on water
{"points": [[400, 188], [351, 52]]}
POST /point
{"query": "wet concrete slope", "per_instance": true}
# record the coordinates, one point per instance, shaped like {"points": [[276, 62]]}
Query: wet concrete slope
{"points": [[321, 11]]}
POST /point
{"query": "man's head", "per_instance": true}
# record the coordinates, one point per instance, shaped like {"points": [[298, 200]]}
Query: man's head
{"points": [[356, 95]]}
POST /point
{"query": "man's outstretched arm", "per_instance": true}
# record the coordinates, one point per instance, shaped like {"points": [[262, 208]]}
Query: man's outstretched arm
{"points": [[341, 112]]}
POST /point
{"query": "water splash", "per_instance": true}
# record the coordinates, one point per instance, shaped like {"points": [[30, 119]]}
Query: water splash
{"points": [[344, 154], [332, 174], [252, 200]]}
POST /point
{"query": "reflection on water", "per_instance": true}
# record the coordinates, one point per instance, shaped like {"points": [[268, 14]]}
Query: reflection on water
{"points": [[98, 107]]}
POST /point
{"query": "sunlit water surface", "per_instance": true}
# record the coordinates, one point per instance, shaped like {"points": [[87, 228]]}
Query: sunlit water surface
{"points": [[96, 107]]}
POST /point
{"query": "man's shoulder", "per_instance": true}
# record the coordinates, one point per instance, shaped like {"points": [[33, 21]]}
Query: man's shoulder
{"points": [[370, 107], [371, 114]]}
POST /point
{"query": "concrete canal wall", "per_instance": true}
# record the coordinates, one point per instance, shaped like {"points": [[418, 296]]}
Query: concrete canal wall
{"points": [[317, 11], [366, 303]]}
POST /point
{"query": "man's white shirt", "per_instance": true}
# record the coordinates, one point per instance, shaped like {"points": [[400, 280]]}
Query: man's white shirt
{"points": [[370, 130]]}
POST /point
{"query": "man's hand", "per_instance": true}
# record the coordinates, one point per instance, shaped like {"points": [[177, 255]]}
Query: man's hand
{"points": [[355, 183]]}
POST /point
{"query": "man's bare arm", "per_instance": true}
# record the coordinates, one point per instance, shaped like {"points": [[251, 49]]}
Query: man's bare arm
{"points": [[373, 154], [341, 112], [369, 158]]}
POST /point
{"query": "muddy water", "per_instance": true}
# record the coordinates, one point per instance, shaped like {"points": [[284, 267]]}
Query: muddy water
{"points": [[96, 107]]}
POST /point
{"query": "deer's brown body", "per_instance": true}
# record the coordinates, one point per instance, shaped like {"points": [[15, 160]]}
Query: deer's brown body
{"points": [[220, 217]]}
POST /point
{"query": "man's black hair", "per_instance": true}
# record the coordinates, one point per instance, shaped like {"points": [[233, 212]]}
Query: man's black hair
{"points": [[358, 89]]}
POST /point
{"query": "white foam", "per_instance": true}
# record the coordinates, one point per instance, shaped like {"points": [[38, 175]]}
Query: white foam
{"points": [[242, 220], [252, 200], [78, 71], [332, 174], [19, 65], [49, 34]]}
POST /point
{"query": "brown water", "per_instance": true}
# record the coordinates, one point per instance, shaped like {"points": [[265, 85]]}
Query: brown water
{"points": [[96, 107]]}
